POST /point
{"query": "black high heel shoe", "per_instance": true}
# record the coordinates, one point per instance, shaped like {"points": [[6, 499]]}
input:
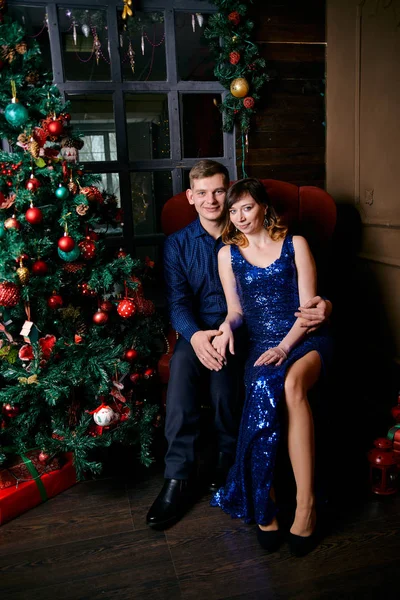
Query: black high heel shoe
{"points": [[269, 540], [300, 545]]}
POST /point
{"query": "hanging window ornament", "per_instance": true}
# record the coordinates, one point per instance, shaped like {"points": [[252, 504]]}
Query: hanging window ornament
{"points": [[194, 22], [127, 11], [142, 43], [86, 30], [200, 19], [121, 40], [97, 47], [131, 54], [74, 32]]}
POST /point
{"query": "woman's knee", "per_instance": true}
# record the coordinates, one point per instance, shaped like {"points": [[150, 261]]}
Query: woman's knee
{"points": [[295, 390]]}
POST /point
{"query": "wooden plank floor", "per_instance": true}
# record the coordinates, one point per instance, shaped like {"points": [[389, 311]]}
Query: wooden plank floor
{"points": [[91, 542]]}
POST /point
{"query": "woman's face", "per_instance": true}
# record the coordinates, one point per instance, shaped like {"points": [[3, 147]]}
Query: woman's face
{"points": [[247, 215]]}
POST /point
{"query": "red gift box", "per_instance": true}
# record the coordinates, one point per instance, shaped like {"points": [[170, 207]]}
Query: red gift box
{"points": [[17, 469], [23, 496]]}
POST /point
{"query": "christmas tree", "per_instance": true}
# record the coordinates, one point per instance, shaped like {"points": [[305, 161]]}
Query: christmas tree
{"points": [[78, 339]]}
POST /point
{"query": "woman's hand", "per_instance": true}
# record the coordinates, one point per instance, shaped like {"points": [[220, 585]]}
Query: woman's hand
{"points": [[273, 356], [224, 340]]}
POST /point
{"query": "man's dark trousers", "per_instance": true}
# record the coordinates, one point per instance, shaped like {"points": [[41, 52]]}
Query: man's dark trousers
{"points": [[185, 387]]}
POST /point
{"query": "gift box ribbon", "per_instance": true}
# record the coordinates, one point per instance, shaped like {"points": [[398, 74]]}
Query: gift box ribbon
{"points": [[35, 475]]}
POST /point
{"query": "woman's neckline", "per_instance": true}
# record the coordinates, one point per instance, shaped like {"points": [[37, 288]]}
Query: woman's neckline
{"points": [[267, 266]]}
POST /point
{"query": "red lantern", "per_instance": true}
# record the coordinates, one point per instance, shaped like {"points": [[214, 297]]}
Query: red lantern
{"points": [[12, 223], [66, 243], [100, 317], [32, 184], [9, 294], [34, 215], [87, 248], [55, 128], [39, 267], [55, 301], [126, 308], [384, 473], [131, 355]]}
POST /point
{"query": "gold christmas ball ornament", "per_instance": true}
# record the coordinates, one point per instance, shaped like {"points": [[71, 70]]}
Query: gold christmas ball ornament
{"points": [[239, 87]]}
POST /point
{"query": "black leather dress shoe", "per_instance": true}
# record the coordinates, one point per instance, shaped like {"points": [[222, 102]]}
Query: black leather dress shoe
{"points": [[220, 473], [170, 505]]}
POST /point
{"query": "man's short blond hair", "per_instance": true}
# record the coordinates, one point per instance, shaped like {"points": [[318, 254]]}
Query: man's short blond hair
{"points": [[208, 168]]}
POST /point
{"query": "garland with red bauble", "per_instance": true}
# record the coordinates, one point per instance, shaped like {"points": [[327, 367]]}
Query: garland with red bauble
{"points": [[239, 67]]}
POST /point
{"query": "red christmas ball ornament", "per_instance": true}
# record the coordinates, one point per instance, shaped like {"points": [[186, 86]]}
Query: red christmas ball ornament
{"points": [[10, 410], [149, 373], [66, 243], [34, 215], [55, 301], [234, 57], [55, 127], [126, 308], [121, 253], [106, 306], [12, 223], [87, 248], [100, 317], [43, 457], [32, 184], [135, 377], [39, 267], [234, 17], [248, 102], [10, 294], [131, 354]]}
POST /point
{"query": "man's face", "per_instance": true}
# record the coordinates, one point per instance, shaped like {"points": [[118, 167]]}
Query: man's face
{"points": [[208, 197]]}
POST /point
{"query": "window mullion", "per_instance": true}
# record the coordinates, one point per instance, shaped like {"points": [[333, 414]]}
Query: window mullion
{"points": [[55, 44]]}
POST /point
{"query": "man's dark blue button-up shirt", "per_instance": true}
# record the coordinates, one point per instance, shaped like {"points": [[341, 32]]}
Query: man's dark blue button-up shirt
{"points": [[194, 292]]}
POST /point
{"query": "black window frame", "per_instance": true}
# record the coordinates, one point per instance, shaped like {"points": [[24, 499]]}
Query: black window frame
{"points": [[173, 87]]}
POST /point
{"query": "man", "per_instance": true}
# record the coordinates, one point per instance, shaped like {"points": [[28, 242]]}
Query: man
{"points": [[197, 307]]}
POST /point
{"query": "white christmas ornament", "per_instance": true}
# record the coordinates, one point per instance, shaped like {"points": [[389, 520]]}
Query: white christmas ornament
{"points": [[85, 30], [200, 19], [104, 416]]}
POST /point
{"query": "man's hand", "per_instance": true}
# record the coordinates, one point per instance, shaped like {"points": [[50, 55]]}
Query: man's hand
{"points": [[207, 355], [224, 340], [314, 313]]}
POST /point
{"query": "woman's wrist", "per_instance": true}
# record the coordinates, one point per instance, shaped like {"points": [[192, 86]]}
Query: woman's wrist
{"points": [[285, 349]]}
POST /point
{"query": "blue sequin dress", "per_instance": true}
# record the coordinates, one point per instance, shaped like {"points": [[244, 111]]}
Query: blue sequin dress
{"points": [[269, 298]]}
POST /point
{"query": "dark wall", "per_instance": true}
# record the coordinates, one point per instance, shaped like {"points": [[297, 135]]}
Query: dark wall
{"points": [[287, 135]]}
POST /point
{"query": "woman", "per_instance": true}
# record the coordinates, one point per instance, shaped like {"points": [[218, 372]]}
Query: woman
{"points": [[266, 275]]}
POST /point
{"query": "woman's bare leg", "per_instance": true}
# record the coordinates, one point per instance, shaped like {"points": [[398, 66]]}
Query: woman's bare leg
{"points": [[300, 378]]}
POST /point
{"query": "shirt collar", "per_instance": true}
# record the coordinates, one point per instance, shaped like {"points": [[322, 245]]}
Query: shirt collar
{"points": [[199, 231]]}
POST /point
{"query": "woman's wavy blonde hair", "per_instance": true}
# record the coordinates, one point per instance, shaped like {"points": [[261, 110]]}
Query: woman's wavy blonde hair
{"points": [[254, 187]]}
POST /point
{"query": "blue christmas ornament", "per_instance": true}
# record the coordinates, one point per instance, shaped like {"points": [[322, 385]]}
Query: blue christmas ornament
{"points": [[69, 256], [62, 192], [16, 114]]}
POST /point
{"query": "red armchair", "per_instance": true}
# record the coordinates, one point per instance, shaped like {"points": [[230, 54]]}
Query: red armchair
{"points": [[306, 210]]}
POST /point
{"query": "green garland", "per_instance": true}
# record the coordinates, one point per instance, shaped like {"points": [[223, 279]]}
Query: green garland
{"points": [[237, 57]]}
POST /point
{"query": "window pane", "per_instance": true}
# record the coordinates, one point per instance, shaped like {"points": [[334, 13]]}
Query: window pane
{"points": [[150, 191], [142, 42], [33, 19], [194, 59], [200, 141], [84, 40], [93, 115], [147, 126], [110, 183]]}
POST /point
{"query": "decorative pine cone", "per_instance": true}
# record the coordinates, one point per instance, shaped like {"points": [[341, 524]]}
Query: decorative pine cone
{"points": [[21, 48], [23, 138], [81, 327], [34, 149], [8, 53], [73, 187], [82, 209], [32, 78]]}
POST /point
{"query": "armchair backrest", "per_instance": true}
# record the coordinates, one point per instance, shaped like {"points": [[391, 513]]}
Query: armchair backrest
{"points": [[306, 210]]}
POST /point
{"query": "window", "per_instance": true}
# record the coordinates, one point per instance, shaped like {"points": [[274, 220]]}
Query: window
{"points": [[143, 94]]}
